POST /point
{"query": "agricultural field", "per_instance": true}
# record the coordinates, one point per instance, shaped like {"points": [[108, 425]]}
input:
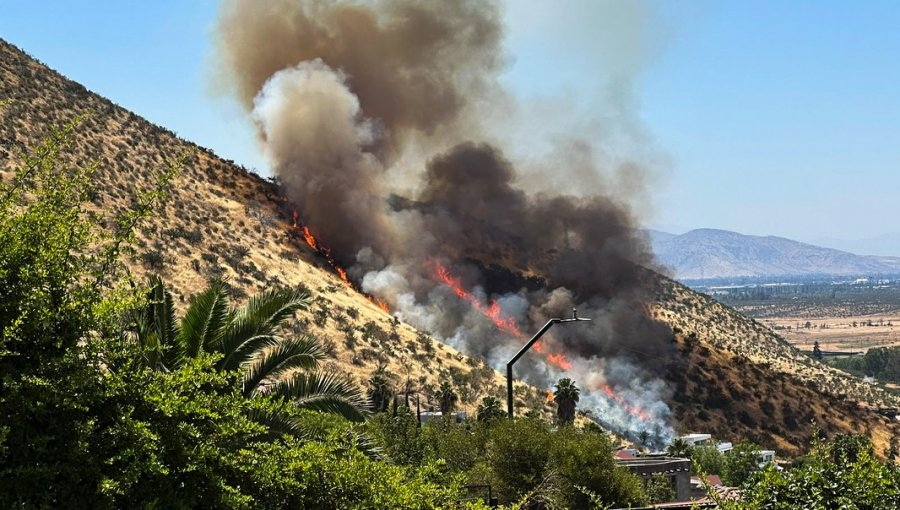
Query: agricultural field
{"points": [[843, 316]]}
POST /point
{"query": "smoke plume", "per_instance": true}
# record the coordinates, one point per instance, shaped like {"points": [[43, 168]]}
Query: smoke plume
{"points": [[343, 91]]}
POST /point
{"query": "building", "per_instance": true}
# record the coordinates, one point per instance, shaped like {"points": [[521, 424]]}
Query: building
{"points": [[706, 440], [677, 469], [427, 416]]}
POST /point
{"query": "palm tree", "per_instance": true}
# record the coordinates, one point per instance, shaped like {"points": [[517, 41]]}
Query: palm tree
{"points": [[248, 340], [447, 398], [566, 397], [490, 409], [380, 390], [679, 448]]}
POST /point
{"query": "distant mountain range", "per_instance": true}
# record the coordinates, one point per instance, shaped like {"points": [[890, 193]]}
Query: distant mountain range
{"points": [[710, 253]]}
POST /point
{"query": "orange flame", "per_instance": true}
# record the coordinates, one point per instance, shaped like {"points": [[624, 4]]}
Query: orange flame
{"points": [[325, 252], [380, 304], [549, 396], [494, 313], [559, 360], [634, 411], [309, 238]]}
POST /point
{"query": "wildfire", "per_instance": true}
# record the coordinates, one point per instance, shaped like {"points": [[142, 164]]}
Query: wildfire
{"points": [[380, 304], [493, 312], [309, 238], [549, 396], [634, 411], [325, 252]]}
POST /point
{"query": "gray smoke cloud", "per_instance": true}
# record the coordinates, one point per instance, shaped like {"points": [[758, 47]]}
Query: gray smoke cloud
{"points": [[343, 93]]}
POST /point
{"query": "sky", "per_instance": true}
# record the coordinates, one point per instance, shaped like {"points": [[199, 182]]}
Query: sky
{"points": [[764, 117]]}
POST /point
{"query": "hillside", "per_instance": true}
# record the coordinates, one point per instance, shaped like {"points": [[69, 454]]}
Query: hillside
{"points": [[729, 374], [711, 253]]}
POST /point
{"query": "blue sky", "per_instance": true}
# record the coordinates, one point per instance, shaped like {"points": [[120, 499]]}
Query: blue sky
{"points": [[775, 118]]}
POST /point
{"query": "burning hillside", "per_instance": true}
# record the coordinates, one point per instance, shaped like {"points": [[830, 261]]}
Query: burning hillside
{"points": [[354, 102]]}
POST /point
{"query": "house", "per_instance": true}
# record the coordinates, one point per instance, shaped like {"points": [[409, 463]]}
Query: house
{"points": [[706, 440], [677, 469]]}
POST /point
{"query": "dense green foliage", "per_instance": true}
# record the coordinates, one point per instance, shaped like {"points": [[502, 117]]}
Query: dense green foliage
{"points": [[740, 463], [86, 422], [522, 458], [829, 478], [882, 363], [707, 460], [246, 339]]}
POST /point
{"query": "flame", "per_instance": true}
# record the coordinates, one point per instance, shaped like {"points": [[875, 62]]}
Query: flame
{"points": [[380, 304], [317, 246], [309, 238], [494, 313], [634, 411], [559, 360], [549, 396]]}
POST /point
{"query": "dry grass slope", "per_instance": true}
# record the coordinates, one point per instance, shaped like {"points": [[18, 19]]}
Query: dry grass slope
{"points": [[732, 377], [223, 221]]}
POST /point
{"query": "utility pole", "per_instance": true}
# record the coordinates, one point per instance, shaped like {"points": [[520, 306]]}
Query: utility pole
{"points": [[523, 350]]}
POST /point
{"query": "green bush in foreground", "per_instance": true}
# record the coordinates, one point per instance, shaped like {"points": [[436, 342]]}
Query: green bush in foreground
{"points": [[85, 424], [831, 477]]}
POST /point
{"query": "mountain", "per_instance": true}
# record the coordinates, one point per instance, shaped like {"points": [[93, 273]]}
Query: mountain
{"points": [[711, 253], [726, 374]]}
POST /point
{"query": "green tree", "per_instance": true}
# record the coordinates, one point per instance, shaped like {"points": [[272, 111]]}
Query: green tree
{"points": [[584, 460], [679, 448], [490, 409], [822, 482], [566, 398], [848, 447], [707, 460], [740, 463], [659, 489], [380, 390], [447, 398], [817, 351], [247, 340]]}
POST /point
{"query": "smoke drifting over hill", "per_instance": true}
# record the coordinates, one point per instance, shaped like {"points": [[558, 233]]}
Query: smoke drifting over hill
{"points": [[342, 91]]}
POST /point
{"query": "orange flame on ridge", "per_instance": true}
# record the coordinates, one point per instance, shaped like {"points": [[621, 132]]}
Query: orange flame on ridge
{"points": [[634, 411], [493, 312]]}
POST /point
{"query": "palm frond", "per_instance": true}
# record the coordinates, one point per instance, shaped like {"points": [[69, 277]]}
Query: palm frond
{"points": [[278, 423], [326, 392], [289, 354], [203, 324], [259, 318], [271, 308]]}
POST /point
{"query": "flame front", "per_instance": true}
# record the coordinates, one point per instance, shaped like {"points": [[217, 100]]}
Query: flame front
{"points": [[314, 243], [492, 312], [495, 314], [634, 411]]}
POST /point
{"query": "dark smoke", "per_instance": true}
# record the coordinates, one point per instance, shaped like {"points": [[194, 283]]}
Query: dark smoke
{"points": [[342, 91]]}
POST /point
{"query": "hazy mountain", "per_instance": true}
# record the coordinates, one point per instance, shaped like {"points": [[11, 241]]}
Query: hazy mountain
{"points": [[711, 253]]}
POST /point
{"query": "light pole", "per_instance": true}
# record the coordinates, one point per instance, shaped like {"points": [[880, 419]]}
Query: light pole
{"points": [[523, 350]]}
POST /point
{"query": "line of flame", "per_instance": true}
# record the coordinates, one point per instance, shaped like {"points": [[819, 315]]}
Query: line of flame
{"points": [[325, 252], [634, 411], [494, 313]]}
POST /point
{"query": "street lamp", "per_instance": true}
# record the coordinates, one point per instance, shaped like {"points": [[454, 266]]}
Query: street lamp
{"points": [[523, 350]]}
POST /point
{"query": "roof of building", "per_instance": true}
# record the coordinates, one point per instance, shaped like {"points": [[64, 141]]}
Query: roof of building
{"points": [[624, 455]]}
